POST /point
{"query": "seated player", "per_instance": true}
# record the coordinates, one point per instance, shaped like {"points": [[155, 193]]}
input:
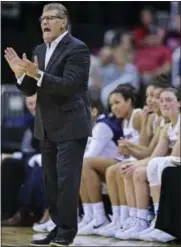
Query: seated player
{"points": [[122, 101], [150, 131], [106, 131], [169, 105]]}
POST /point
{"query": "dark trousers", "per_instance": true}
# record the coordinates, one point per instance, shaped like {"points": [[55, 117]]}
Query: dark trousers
{"points": [[169, 214], [62, 167]]}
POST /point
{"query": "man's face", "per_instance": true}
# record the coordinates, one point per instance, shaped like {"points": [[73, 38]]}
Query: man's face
{"points": [[52, 25]]}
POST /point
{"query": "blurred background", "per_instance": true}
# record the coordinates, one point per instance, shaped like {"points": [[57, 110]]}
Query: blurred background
{"points": [[129, 42]]}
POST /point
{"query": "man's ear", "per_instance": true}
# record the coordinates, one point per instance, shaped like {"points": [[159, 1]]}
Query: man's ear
{"points": [[64, 23]]}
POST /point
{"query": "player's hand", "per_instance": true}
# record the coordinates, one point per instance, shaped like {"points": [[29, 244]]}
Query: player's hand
{"points": [[124, 142], [15, 62], [31, 67], [123, 148], [124, 167], [127, 169], [146, 111]]}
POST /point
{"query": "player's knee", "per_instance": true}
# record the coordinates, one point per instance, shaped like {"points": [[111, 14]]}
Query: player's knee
{"points": [[86, 163], [139, 174], [111, 172]]}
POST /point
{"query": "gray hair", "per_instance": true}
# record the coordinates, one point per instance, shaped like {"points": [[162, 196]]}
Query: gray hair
{"points": [[61, 9]]}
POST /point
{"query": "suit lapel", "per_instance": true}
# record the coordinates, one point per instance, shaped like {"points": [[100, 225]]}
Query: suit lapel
{"points": [[41, 57], [58, 51]]}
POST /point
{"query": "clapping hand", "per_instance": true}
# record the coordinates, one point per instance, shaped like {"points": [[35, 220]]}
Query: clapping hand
{"points": [[15, 62], [21, 66], [31, 68]]}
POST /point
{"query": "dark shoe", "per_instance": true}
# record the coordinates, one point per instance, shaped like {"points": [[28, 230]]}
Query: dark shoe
{"points": [[46, 241], [61, 242]]}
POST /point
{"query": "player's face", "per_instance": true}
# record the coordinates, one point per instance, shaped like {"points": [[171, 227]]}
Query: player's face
{"points": [[169, 104], [52, 25], [150, 98], [156, 99], [119, 106]]}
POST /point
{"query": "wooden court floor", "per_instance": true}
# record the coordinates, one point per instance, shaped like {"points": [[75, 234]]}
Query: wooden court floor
{"points": [[22, 236]]}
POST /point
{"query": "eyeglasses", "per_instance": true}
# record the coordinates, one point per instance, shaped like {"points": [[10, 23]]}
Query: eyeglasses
{"points": [[49, 18]]}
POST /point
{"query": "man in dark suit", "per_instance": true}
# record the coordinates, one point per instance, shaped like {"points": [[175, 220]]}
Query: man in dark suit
{"points": [[59, 75]]}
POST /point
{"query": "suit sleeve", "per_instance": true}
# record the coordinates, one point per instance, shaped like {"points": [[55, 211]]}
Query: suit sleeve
{"points": [[75, 75], [28, 85]]}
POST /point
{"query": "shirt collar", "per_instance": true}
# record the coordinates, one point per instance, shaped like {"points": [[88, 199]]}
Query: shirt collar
{"points": [[57, 40]]}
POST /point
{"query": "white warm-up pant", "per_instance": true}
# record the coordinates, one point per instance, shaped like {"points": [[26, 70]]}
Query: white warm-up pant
{"points": [[155, 168]]}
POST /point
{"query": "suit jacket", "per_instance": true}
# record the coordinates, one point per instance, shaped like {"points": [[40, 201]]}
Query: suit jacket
{"points": [[63, 107]]}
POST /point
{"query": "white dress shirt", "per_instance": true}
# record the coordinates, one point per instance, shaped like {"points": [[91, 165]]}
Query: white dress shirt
{"points": [[49, 51]]}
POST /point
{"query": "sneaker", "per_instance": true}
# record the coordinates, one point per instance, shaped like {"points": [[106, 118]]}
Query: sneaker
{"points": [[160, 236], [40, 227], [98, 227], [100, 230], [109, 230], [91, 227], [50, 225], [85, 221], [143, 233], [129, 223], [132, 232], [148, 237], [39, 236]]}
